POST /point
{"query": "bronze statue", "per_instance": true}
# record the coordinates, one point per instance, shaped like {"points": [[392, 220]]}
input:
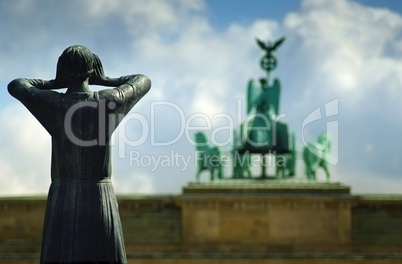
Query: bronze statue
{"points": [[208, 158], [264, 133], [82, 222], [241, 161], [268, 62], [263, 106], [315, 156]]}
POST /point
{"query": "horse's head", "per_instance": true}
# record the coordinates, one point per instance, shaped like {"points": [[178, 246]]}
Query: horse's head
{"points": [[201, 140], [325, 141]]}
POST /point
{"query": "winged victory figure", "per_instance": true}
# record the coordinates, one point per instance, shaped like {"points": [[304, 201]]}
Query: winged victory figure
{"points": [[268, 62]]}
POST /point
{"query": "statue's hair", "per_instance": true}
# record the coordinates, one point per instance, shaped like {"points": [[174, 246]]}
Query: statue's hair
{"points": [[76, 62]]}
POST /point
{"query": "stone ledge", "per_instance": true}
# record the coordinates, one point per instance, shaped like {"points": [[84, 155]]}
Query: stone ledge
{"points": [[396, 256], [345, 256], [257, 186]]}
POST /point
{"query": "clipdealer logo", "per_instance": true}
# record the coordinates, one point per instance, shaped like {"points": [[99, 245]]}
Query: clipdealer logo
{"points": [[187, 128]]}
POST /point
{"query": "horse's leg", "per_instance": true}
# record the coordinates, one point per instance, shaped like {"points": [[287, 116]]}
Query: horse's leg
{"points": [[201, 166], [248, 172], [279, 171], [324, 166], [313, 172], [314, 167], [263, 167], [308, 173], [292, 166]]}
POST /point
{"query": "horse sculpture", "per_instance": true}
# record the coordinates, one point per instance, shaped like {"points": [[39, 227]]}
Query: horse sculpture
{"points": [[209, 158], [315, 156]]}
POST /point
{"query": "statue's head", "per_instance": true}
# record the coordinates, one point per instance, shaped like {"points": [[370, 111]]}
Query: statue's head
{"points": [[76, 63]]}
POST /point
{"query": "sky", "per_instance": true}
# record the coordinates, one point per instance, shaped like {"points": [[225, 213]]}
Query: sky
{"points": [[340, 70]]}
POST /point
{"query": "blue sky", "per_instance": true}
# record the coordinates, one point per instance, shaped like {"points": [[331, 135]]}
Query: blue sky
{"points": [[200, 56], [222, 13]]}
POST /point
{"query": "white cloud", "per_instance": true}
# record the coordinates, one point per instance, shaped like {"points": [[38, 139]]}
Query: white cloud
{"points": [[349, 45], [25, 152], [205, 69]]}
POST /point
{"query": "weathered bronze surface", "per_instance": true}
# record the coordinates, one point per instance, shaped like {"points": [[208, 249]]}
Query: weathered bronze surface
{"points": [[82, 222], [315, 155]]}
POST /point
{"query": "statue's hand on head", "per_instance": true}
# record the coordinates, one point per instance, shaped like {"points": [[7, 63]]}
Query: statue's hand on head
{"points": [[98, 76]]}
